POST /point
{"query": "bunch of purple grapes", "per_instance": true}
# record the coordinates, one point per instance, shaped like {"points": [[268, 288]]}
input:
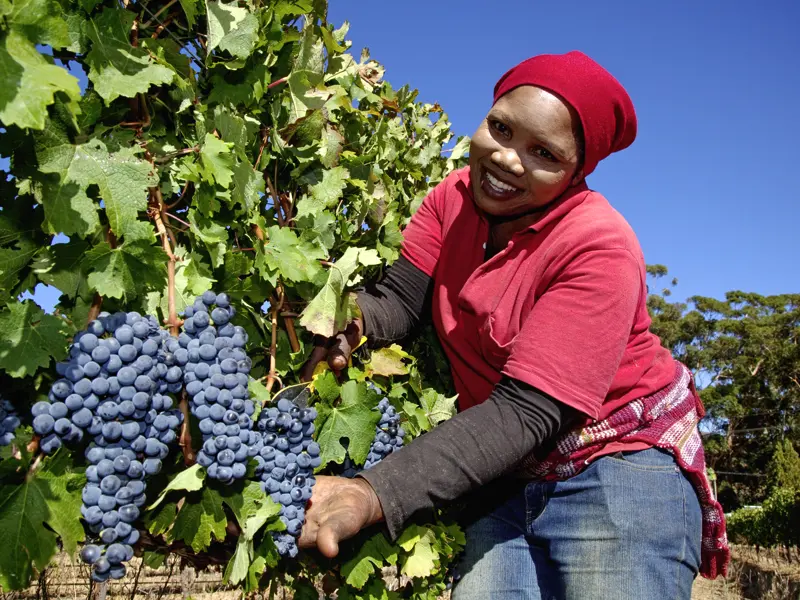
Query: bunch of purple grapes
{"points": [[216, 373], [388, 434], [286, 466], [114, 387], [9, 421]]}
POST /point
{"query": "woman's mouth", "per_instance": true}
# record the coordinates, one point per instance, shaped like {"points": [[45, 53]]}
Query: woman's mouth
{"points": [[494, 188]]}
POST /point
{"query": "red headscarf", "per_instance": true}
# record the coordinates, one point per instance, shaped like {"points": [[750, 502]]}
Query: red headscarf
{"points": [[604, 107]]}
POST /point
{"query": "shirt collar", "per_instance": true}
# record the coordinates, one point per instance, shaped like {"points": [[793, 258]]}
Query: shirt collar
{"points": [[571, 198]]}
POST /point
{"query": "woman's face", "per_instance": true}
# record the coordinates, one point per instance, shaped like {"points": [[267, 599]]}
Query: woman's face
{"points": [[525, 153]]}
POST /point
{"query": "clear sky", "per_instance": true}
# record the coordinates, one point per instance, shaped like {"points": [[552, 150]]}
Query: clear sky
{"points": [[709, 185]]}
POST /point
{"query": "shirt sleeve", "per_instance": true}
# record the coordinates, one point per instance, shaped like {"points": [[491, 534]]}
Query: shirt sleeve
{"points": [[572, 342], [422, 237], [393, 307], [466, 452]]}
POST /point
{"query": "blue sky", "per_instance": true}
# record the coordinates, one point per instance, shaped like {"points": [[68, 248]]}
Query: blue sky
{"points": [[709, 184]]}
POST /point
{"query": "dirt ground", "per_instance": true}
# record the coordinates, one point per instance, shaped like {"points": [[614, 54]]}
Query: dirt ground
{"points": [[719, 589]]}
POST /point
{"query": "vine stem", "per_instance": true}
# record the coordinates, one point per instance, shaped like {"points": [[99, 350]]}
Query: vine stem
{"points": [[273, 348]]}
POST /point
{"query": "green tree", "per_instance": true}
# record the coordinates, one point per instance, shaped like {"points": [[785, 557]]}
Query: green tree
{"points": [[784, 469], [745, 352]]}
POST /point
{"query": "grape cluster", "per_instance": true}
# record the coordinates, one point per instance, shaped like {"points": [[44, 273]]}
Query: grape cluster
{"points": [[114, 388], [388, 435], [216, 373], [9, 421], [112, 497], [286, 465]]}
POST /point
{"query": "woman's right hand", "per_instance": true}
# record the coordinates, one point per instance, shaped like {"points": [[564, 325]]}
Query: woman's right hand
{"points": [[336, 350]]}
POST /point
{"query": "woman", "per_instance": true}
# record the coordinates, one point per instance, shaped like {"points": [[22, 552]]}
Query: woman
{"points": [[576, 426]]}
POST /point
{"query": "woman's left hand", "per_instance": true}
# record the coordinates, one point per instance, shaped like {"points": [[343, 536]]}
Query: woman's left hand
{"points": [[339, 508]]}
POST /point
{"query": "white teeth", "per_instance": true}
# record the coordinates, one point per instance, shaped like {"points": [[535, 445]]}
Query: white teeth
{"points": [[499, 184]]}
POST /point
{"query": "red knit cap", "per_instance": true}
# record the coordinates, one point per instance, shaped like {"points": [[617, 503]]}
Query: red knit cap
{"points": [[604, 107]]}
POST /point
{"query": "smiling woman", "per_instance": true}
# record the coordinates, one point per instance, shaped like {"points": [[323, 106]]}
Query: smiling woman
{"points": [[568, 402]]}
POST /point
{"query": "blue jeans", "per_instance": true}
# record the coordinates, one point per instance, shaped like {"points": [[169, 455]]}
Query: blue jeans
{"points": [[627, 527]]}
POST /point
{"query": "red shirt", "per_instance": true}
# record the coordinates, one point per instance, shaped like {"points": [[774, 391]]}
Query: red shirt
{"points": [[562, 307]]}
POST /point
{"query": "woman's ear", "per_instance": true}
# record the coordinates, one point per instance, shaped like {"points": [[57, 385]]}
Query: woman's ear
{"points": [[578, 177]]}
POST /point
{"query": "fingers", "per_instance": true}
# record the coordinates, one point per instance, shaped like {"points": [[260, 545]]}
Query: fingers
{"points": [[318, 354], [329, 536], [343, 345]]}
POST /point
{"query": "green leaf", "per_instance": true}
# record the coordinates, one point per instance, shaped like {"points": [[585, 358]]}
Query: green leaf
{"points": [[388, 361], [28, 83], [231, 28], [159, 521], [353, 419], [217, 160], [331, 310], [294, 259], [190, 10], [190, 480], [126, 271], [154, 560], [60, 266], [437, 407], [372, 556], [116, 67], [29, 338], [200, 519], [327, 387], [41, 21], [239, 565], [248, 184], [329, 190], [419, 543], [46, 498], [122, 179]]}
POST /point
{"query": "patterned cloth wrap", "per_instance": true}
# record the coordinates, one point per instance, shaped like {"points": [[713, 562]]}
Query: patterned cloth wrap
{"points": [[667, 419]]}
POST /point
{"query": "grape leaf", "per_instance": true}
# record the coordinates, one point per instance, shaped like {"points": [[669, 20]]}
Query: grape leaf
{"points": [[190, 480], [154, 560], [238, 567], [40, 20], [329, 189], [43, 498], [231, 28], [388, 361], [122, 179], [294, 259], [200, 518], [419, 542], [437, 407], [29, 82], [160, 520], [326, 386], [331, 309], [217, 160], [29, 338], [126, 271], [190, 9], [354, 419], [376, 552], [116, 67], [248, 185], [60, 266]]}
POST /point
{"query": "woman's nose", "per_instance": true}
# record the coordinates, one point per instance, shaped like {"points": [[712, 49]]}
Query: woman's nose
{"points": [[508, 160]]}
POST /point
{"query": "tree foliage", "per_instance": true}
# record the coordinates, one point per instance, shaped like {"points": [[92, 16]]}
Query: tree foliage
{"points": [[745, 351], [157, 149]]}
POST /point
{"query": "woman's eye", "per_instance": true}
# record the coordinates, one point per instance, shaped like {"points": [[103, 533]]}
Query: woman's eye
{"points": [[499, 127], [544, 153]]}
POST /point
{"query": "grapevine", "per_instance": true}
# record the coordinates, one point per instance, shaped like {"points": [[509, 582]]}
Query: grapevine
{"points": [[201, 186]]}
